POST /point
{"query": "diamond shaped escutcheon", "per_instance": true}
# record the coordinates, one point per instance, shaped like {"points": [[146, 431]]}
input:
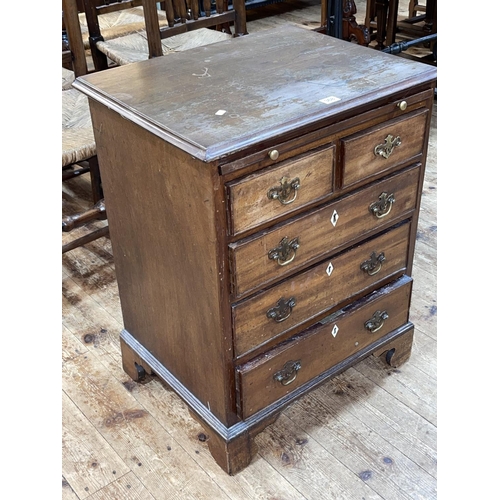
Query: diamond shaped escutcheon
{"points": [[335, 330], [334, 218]]}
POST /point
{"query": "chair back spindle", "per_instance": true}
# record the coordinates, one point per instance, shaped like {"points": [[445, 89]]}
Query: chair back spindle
{"points": [[221, 6], [180, 10], [185, 15], [207, 7], [195, 9]]}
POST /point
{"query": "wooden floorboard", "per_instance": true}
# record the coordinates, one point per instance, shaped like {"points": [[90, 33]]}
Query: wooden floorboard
{"points": [[370, 433]]}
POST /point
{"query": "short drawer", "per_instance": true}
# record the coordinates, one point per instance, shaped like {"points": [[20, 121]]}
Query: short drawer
{"points": [[280, 371], [281, 190], [300, 298], [274, 254], [382, 148]]}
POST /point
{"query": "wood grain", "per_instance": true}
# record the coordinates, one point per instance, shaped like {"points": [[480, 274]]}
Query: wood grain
{"points": [[145, 218], [252, 267], [248, 197], [91, 467], [268, 106], [360, 161], [290, 463], [323, 346], [316, 291]]}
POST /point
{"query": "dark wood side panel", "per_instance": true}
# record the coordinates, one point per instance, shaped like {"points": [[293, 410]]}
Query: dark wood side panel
{"points": [[163, 225]]}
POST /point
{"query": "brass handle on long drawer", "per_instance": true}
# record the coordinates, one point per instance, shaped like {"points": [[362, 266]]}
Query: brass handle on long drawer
{"points": [[374, 264], [383, 205], [376, 322], [385, 150], [285, 252], [283, 309], [289, 372], [282, 193]]}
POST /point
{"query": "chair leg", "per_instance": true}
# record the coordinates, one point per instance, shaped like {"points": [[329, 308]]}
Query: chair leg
{"points": [[75, 170], [414, 7], [370, 15], [240, 23], [392, 22], [97, 212], [78, 242], [411, 8], [382, 7], [95, 176]]}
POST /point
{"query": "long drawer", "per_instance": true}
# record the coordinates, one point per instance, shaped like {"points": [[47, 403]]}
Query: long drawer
{"points": [[280, 371], [288, 305], [274, 254]]}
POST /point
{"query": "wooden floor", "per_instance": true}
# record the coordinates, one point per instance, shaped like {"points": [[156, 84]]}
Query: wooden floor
{"points": [[367, 434]]}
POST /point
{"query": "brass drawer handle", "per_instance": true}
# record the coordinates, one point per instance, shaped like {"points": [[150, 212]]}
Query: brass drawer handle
{"points": [[402, 105], [385, 150], [285, 252], [282, 193], [374, 264], [383, 206], [283, 309], [289, 372], [376, 322]]}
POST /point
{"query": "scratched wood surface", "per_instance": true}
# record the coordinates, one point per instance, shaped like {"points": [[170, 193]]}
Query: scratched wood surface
{"points": [[370, 433]]}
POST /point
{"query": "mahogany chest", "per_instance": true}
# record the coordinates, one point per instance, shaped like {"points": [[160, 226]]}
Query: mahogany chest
{"points": [[262, 195]]}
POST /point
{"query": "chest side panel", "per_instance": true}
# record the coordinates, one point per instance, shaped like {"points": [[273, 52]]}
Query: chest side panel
{"points": [[161, 207]]}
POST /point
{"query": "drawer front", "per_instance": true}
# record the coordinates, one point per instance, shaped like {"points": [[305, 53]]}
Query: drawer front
{"points": [[272, 376], [382, 148], [275, 254], [282, 190], [286, 150], [288, 305]]}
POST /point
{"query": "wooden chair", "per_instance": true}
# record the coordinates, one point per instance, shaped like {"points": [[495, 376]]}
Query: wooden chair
{"points": [[181, 26], [79, 155], [418, 33], [105, 20], [381, 21], [134, 47], [187, 15]]}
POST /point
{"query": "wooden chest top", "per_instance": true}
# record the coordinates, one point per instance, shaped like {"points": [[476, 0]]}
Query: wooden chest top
{"points": [[217, 99]]}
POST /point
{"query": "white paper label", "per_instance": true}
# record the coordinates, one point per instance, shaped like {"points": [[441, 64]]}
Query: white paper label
{"points": [[329, 100]]}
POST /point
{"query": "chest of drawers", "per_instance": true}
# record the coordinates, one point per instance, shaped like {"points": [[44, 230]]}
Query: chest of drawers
{"points": [[262, 197]]}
